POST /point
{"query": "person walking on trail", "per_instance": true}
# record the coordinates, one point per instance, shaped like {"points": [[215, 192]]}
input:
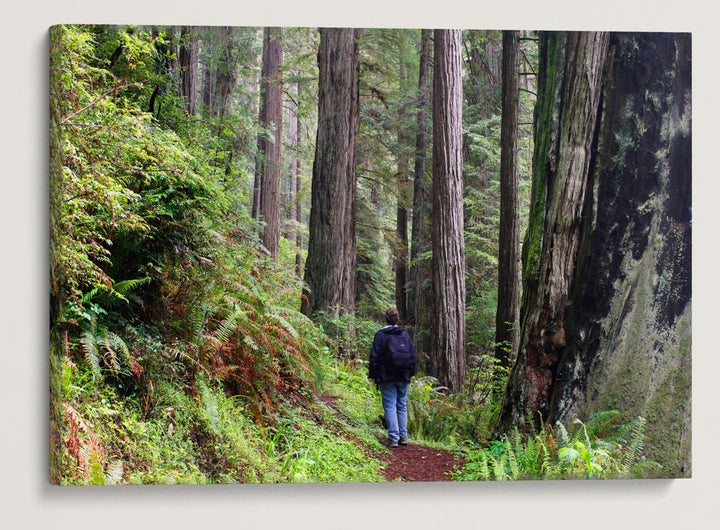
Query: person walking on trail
{"points": [[392, 365]]}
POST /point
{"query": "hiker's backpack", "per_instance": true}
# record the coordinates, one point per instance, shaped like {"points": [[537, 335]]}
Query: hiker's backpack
{"points": [[399, 355]]}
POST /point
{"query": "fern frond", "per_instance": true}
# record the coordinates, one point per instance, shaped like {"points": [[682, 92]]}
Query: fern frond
{"points": [[562, 435], [90, 351], [228, 325], [635, 448]]}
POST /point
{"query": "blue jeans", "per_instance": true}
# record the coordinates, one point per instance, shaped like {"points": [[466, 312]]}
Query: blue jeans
{"points": [[394, 402]]}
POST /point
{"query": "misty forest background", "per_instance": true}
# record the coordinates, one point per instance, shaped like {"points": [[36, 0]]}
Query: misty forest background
{"points": [[232, 209]]}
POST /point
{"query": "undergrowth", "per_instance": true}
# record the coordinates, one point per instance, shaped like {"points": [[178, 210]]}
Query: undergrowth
{"points": [[608, 446]]}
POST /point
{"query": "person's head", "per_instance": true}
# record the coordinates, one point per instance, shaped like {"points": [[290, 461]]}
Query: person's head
{"points": [[392, 316]]}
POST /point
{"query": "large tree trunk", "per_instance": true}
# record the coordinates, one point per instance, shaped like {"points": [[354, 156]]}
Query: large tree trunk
{"points": [[569, 94], [420, 272], [448, 320], [629, 323], [508, 308], [619, 338], [189, 67], [330, 265], [269, 166]]}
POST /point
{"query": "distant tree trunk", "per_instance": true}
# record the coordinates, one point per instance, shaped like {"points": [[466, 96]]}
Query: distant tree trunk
{"points": [[294, 187], [401, 226], [418, 295], [508, 309], [569, 83], [225, 73], [448, 319], [330, 265], [189, 67], [208, 70], [268, 167]]}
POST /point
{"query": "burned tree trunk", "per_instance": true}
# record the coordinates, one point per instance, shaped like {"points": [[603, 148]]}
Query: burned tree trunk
{"points": [[621, 338], [569, 95]]}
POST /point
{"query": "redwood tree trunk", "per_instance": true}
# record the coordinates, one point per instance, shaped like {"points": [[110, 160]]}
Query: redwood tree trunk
{"points": [[508, 309], [571, 76], [330, 265], [418, 295], [629, 327], [189, 67], [448, 319], [269, 166]]}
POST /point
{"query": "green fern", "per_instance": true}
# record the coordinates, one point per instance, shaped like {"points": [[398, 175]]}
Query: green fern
{"points": [[104, 346], [635, 447]]}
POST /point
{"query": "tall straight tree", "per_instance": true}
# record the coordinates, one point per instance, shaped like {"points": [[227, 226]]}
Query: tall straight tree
{"points": [[293, 134], [418, 303], [448, 262], [330, 265], [508, 308], [404, 199], [188, 64], [268, 168]]}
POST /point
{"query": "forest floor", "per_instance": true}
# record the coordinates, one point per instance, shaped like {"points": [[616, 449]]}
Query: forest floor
{"points": [[419, 463], [410, 463]]}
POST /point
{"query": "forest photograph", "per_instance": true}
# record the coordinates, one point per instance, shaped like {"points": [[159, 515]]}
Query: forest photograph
{"points": [[367, 255]]}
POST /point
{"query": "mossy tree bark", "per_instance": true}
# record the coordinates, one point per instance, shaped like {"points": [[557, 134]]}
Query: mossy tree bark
{"points": [[508, 308], [620, 338], [571, 67], [448, 262], [629, 324], [330, 264]]}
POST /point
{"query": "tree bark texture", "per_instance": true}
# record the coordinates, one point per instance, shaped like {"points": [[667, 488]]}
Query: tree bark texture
{"points": [[622, 338], [629, 324], [420, 275], [448, 263], [269, 165], [189, 67], [508, 309], [330, 264], [572, 66]]}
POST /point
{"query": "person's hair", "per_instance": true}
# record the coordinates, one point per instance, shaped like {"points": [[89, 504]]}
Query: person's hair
{"points": [[392, 316]]}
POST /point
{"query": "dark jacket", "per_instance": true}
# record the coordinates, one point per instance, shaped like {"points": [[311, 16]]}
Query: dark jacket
{"points": [[378, 370]]}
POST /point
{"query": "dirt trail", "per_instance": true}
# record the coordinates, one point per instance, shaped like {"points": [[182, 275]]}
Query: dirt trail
{"points": [[412, 462], [417, 463]]}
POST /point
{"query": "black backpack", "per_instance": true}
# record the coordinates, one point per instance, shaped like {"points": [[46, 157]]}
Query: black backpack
{"points": [[399, 355]]}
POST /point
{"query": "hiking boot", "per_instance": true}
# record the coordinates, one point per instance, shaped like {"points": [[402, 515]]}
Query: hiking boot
{"points": [[403, 440], [390, 443]]}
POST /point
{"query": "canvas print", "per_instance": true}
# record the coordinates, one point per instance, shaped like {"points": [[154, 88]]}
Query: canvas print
{"points": [[302, 255]]}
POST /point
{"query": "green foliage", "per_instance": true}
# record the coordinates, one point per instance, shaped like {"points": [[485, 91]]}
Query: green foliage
{"points": [[466, 416], [607, 446]]}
